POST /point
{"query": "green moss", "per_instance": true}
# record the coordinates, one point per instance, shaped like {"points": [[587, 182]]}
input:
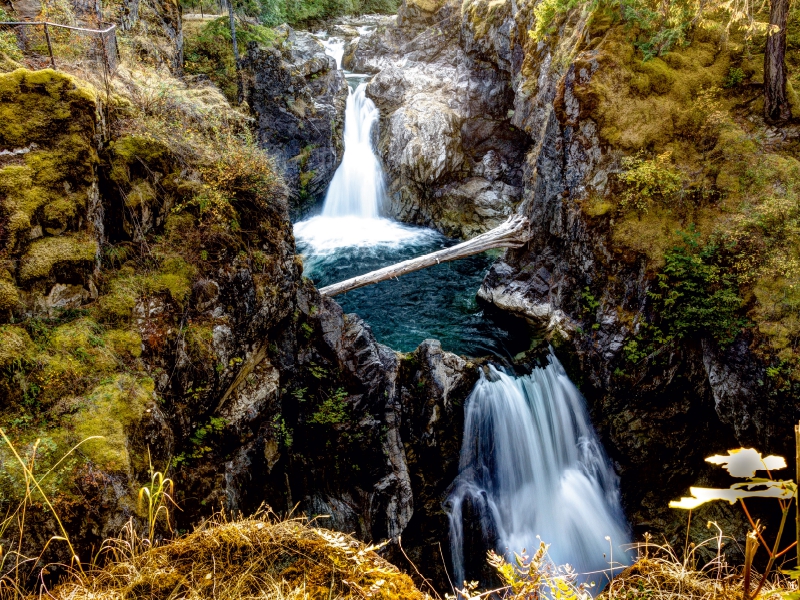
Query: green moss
{"points": [[118, 302], [141, 193], [59, 212], [646, 104], [125, 343], [208, 50], [134, 150], [306, 177], [430, 6], [200, 343], [9, 296], [16, 184], [111, 411], [36, 105], [45, 254], [174, 277], [15, 344]]}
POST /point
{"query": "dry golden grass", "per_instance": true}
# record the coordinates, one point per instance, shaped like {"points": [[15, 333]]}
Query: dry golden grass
{"points": [[246, 559], [660, 574]]}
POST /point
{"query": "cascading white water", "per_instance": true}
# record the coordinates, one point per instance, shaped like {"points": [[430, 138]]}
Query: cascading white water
{"points": [[334, 47], [532, 467], [357, 188], [350, 213]]}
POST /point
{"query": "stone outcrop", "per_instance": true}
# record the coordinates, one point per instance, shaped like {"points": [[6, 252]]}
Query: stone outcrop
{"points": [[52, 219], [299, 97], [338, 426], [451, 154], [478, 119]]}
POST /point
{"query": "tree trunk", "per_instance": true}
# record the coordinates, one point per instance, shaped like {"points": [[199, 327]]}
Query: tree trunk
{"points": [[515, 232], [233, 33], [776, 104]]}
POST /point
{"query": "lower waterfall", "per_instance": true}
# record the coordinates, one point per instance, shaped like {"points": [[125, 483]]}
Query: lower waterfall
{"points": [[532, 468]]}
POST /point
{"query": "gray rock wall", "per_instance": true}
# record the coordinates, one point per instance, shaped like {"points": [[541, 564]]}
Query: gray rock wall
{"points": [[451, 155], [477, 122], [299, 98]]}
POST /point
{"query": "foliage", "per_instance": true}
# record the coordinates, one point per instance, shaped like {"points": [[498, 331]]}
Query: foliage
{"points": [[333, 409], [649, 180], [697, 293], [9, 47], [209, 51], [546, 13], [535, 577], [283, 433], [734, 78], [275, 12], [658, 27], [200, 439]]}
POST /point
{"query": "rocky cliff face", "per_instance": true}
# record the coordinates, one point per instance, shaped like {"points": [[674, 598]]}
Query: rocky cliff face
{"points": [[451, 154], [299, 97], [479, 120], [132, 313]]}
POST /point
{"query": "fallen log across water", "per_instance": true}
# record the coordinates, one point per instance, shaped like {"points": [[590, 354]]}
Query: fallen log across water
{"points": [[513, 233]]}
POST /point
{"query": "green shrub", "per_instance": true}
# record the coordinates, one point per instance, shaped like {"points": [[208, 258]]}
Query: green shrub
{"points": [[9, 49], [333, 410], [735, 77], [648, 181], [698, 292]]}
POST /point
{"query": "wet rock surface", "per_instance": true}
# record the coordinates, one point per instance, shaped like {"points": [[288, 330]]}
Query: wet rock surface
{"points": [[452, 157], [299, 97]]}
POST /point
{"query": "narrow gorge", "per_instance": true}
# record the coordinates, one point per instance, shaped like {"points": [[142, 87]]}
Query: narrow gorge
{"points": [[165, 230]]}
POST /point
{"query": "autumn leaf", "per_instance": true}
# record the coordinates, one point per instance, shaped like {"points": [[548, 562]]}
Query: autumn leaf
{"points": [[783, 490], [744, 462]]}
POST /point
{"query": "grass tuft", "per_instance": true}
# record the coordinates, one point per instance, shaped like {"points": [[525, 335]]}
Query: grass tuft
{"points": [[253, 558]]}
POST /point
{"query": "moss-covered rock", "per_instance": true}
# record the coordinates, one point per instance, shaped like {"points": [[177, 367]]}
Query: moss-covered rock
{"points": [[70, 252], [15, 344], [111, 411], [49, 185], [9, 295], [35, 105]]}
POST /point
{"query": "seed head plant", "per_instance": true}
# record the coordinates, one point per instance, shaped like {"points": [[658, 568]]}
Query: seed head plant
{"points": [[154, 499], [745, 463]]}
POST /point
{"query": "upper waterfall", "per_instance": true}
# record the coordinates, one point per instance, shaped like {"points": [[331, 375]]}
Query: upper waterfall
{"points": [[357, 193], [334, 46], [357, 188], [532, 468]]}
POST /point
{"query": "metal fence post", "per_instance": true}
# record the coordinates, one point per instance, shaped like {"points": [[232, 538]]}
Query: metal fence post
{"points": [[49, 46]]}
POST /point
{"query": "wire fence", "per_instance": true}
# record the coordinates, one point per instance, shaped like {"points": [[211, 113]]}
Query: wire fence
{"points": [[41, 44]]}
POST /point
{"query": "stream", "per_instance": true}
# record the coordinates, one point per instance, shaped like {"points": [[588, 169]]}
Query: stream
{"points": [[531, 465], [349, 238]]}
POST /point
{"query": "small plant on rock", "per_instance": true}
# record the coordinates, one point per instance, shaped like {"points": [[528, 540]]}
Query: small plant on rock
{"points": [[648, 181], [154, 499]]}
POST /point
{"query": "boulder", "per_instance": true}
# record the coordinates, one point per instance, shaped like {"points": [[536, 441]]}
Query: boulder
{"points": [[298, 97]]}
